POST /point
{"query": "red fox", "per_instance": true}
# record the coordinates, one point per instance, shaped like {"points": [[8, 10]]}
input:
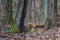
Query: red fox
{"points": [[41, 25], [57, 24]]}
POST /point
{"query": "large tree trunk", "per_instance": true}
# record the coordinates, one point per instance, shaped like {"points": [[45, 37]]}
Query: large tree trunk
{"points": [[9, 15], [18, 9], [28, 14], [46, 12], [55, 10], [23, 15]]}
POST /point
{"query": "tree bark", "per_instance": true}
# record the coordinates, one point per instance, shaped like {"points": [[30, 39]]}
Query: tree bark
{"points": [[46, 12], [55, 10], [23, 15], [9, 14]]}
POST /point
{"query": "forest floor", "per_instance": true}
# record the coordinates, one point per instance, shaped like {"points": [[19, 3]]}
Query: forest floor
{"points": [[40, 34]]}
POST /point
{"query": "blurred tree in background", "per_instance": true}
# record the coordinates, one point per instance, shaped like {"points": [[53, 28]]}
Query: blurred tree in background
{"points": [[19, 13]]}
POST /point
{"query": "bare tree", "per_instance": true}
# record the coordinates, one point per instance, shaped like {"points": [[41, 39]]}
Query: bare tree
{"points": [[23, 15], [9, 15], [52, 11], [55, 10], [46, 12], [18, 9]]}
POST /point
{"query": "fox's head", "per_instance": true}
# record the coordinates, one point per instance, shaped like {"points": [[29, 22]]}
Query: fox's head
{"points": [[31, 24]]}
